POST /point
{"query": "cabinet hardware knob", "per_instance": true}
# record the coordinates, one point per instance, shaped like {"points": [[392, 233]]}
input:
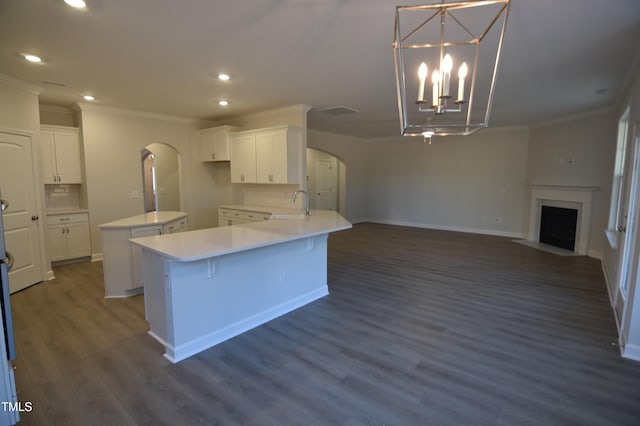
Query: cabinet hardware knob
{"points": [[622, 228], [4, 204], [34, 218]]}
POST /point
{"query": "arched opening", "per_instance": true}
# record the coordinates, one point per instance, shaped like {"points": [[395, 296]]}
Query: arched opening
{"points": [[160, 177], [326, 181], [149, 181]]}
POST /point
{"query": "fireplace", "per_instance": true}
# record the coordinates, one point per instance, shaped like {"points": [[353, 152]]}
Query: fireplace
{"points": [[576, 198], [558, 227]]}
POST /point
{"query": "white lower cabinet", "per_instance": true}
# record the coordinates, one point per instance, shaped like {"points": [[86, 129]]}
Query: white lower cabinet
{"points": [[227, 217], [68, 236]]}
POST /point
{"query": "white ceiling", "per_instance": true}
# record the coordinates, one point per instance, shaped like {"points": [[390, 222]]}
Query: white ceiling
{"points": [[162, 56]]}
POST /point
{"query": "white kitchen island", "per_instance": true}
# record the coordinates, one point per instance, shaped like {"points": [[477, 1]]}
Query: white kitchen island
{"points": [[121, 260], [203, 287]]}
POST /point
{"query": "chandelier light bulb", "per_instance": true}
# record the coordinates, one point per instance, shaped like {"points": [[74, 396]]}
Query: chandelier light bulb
{"points": [[422, 75], [435, 79], [447, 65], [462, 74]]}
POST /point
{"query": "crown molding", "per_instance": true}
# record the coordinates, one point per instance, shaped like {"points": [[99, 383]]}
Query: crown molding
{"points": [[19, 84], [82, 106], [299, 108], [573, 117]]}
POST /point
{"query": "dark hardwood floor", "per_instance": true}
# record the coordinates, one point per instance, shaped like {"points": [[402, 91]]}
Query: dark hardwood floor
{"points": [[421, 327]]}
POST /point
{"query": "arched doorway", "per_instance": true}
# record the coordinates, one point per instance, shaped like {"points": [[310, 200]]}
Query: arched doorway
{"points": [[160, 177], [326, 181]]}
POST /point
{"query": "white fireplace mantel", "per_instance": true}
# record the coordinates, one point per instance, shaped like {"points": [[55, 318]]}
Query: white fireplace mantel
{"points": [[575, 197]]}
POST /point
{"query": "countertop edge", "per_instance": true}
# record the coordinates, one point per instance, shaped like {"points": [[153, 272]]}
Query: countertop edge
{"points": [[135, 221], [237, 249]]}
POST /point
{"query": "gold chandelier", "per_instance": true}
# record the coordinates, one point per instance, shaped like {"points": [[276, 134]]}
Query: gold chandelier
{"points": [[459, 45]]}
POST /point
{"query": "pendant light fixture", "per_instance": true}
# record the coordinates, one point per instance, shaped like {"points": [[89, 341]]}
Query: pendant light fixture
{"points": [[446, 59]]}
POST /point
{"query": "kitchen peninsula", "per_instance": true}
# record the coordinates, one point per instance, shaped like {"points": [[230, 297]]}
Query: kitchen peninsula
{"points": [[203, 287]]}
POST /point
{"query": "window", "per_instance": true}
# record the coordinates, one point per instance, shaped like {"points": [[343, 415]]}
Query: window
{"points": [[617, 208]]}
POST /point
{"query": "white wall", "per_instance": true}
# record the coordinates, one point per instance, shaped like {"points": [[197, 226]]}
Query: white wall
{"points": [[19, 106], [57, 116], [113, 140], [590, 141], [473, 183]]}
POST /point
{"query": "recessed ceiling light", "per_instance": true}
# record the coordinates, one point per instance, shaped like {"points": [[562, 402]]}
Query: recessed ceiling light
{"points": [[88, 98], [223, 102], [32, 58], [78, 4], [223, 76]]}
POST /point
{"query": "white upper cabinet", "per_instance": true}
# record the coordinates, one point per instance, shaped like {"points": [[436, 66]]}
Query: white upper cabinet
{"points": [[61, 156], [214, 143], [272, 155], [243, 158]]}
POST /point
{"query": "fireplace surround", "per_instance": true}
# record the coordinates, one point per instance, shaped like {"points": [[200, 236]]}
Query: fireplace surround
{"points": [[568, 197]]}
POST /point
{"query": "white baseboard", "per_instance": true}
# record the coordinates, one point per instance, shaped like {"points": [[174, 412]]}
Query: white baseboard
{"points": [[96, 257], [605, 272], [631, 352], [595, 254], [50, 275], [495, 232]]}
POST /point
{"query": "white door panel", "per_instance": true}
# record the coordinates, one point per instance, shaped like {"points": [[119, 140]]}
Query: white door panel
{"points": [[21, 231]]}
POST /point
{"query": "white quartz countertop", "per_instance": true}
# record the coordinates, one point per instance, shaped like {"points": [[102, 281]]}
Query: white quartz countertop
{"points": [[151, 218], [206, 243]]}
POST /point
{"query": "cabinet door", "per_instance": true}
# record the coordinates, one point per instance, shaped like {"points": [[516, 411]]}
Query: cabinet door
{"points": [[57, 242], [136, 253], [264, 158], [243, 158], [68, 158], [48, 154], [279, 158], [78, 243], [276, 157], [214, 143]]}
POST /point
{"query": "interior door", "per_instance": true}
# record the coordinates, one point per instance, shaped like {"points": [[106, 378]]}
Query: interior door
{"points": [[22, 237], [326, 183]]}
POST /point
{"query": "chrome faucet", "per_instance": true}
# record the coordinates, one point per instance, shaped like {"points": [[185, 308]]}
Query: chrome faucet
{"points": [[306, 200]]}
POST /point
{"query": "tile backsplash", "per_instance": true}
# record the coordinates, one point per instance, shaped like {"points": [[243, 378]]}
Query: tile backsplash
{"points": [[271, 195], [62, 197]]}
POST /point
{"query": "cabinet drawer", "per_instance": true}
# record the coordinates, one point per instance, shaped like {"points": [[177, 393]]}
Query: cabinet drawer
{"points": [[230, 213], [256, 216], [145, 231], [175, 226], [227, 221], [57, 219]]}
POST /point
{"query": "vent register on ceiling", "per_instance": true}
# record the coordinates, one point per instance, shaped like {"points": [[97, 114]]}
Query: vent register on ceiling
{"points": [[446, 58]]}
